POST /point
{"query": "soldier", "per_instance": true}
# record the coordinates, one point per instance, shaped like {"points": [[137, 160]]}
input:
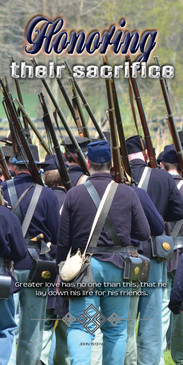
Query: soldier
{"points": [[52, 179], [76, 220], [44, 220], [13, 247], [76, 173], [170, 163], [169, 203]]}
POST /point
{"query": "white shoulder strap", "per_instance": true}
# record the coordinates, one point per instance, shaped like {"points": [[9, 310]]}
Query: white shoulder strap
{"points": [[178, 224], [145, 178], [179, 184]]}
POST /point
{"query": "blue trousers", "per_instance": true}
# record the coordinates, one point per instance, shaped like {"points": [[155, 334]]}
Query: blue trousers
{"points": [[31, 323], [149, 307], [12, 360], [7, 328], [115, 309], [176, 329]]}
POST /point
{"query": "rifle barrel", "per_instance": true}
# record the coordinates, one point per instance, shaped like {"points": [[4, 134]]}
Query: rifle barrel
{"points": [[114, 137], [19, 129], [171, 121], [65, 124], [120, 131], [85, 103], [79, 112], [147, 136], [62, 170], [17, 85], [42, 142]]}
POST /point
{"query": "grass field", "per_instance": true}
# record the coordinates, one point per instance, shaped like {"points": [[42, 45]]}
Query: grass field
{"points": [[168, 358]]}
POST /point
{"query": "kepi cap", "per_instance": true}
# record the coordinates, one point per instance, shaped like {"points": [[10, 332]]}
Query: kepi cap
{"points": [[170, 154], [99, 152], [8, 151], [82, 141], [51, 162], [133, 144], [18, 159]]}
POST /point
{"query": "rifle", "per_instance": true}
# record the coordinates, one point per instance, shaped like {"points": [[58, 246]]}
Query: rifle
{"points": [[72, 109], [4, 165], [12, 129], [16, 120], [170, 121], [85, 103], [66, 126], [61, 166], [124, 151], [17, 85], [15, 140], [77, 118], [78, 112], [57, 125], [152, 159], [42, 142], [113, 129]]}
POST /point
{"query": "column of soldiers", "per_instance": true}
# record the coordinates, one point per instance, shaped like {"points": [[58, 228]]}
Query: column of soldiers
{"points": [[174, 321], [136, 215]]}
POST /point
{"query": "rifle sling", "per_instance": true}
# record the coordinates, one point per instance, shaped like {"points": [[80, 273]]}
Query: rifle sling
{"points": [[108, 224]]}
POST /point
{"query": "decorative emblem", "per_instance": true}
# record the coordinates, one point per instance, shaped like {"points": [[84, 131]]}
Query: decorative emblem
{"points": [[136, 270], [46, 274], [166, 246]]}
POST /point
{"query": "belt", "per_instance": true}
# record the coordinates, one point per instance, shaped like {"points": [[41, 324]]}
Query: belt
{"points": [[112, 249], [41, 244], [178, 243], [33, 244]]}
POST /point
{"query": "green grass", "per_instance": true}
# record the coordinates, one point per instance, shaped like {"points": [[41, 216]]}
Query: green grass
{"points": [[168, 358]]}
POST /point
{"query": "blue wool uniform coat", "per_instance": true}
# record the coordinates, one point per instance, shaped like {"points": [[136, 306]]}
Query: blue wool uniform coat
{"points": [[172, 264], [13, 247], [75, 172], [60, 194], [46, 216], [162, 190], [126, 213], [155, 221], [164, 194]]}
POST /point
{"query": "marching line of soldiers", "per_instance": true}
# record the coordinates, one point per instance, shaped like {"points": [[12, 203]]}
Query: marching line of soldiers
{"points": [[136, 249], [136, 214]]}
